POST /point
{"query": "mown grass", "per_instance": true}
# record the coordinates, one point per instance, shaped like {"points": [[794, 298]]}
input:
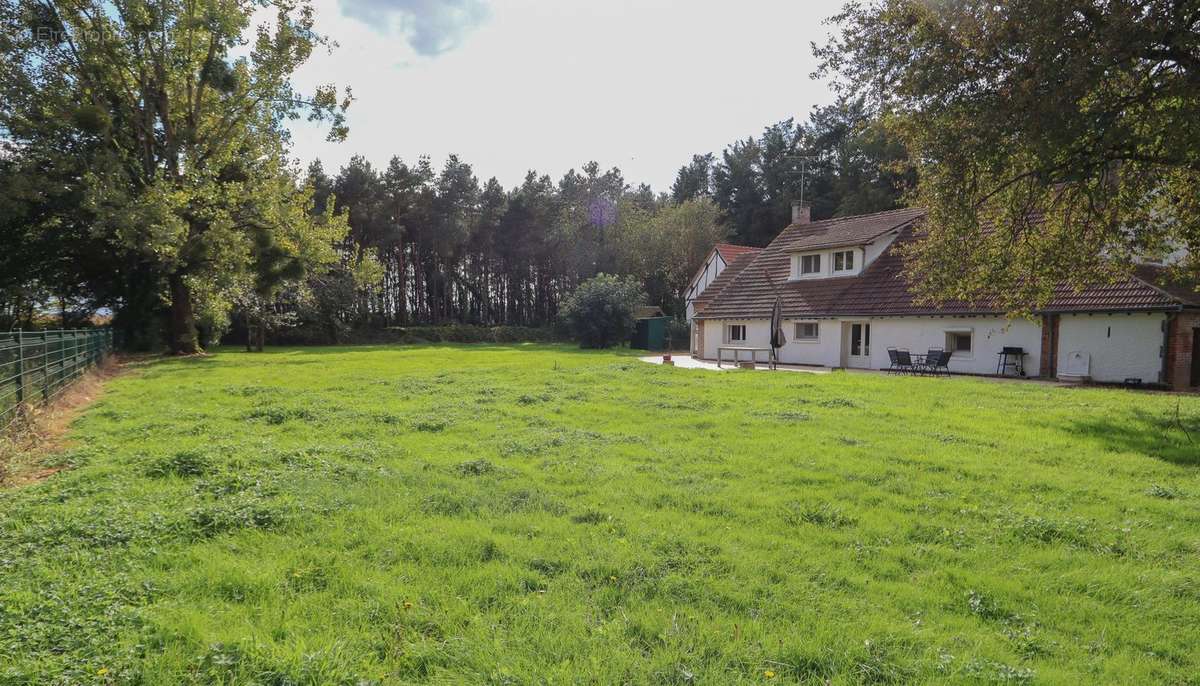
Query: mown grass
{"points": [[519, 514]]}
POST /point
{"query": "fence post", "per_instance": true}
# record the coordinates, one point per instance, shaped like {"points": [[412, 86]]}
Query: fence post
{"points": [[62, 360], [20, 370], [45, 367]]}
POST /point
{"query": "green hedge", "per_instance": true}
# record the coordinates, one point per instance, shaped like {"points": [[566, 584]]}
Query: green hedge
{"points": [[447, 333]]}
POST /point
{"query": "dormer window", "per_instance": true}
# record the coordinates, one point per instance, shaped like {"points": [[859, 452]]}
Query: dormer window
{"points": [[810, 264], [843, 261], [827, 263]]}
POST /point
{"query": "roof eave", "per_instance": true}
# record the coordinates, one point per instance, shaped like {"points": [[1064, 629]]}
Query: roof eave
{"points": [[704, 265], [1165, 293], [858, 243], [969, 313], [827, 246], [1111, 310]]}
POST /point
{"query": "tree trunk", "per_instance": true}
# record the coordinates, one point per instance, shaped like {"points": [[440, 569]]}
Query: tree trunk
{"points": [[402, 296], [183, 319]]}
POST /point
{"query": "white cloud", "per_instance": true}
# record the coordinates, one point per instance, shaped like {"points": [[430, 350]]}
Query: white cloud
{"points": [[551, 84], [431, 26]]}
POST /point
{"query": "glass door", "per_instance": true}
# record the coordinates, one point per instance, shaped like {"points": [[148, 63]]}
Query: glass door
{"points": [[860, 345]]}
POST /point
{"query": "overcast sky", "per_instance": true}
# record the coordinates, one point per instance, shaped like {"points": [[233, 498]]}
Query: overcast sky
{"points": [[513, 85]]}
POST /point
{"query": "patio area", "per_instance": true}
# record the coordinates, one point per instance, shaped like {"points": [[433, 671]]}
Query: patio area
{"points": [[686, 361]]}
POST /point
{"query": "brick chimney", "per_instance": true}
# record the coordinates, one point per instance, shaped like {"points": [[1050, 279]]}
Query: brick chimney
{"points": [[801, 212]]}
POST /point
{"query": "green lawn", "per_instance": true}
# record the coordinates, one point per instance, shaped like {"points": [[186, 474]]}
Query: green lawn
{"points": [[520, 514]]}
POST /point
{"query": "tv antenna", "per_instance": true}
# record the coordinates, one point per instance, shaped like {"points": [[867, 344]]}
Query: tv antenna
{"points": [[804, 161]]}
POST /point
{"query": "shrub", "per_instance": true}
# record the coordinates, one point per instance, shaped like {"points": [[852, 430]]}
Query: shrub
{"points": [[442, 333], [599, 313]]}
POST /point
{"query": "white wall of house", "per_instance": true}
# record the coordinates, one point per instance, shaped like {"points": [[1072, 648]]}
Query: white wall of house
{"points": [[713, 266], [1120, 346], [918, 334], [988, 336], [825, 351], [716, 335]]}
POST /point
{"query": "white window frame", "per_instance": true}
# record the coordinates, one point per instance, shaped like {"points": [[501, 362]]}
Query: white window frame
{"points": [[954, 351], [843, 255], [729, 329], [814, 256], [799, 338]]}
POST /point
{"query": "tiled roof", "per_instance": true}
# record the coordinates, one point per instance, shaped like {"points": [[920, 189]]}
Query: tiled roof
{"points": [[830, 233], [1162, 279], [882, 289], [732, 269], [730, 252], [1130, 294]]}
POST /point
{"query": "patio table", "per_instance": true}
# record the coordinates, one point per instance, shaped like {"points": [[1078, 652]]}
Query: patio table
{"points": [[737, 350]]}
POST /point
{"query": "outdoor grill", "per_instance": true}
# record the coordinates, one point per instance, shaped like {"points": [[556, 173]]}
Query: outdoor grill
{"points": [[1013, 358]]}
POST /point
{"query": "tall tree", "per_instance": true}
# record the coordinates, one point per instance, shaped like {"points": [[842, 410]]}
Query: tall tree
{"points": [[293, 240], [1055, 141], [738, 188], [183, 127], [50, 252], [588, 214], [450, 250], [493, 202], [847, 161], [664, 246], [694, 179], [522, 243], [859, 166], [409, 205], [455, 206]]}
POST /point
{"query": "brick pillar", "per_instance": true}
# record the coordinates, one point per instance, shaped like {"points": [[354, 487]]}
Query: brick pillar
{"points": [[698, 338], [1181, 346], [1048, 366]]}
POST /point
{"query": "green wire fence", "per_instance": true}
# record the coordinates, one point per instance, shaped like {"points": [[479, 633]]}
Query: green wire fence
{"points": [[35, 366]]}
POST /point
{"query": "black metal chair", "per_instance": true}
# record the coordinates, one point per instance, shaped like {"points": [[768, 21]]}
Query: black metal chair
{"points": [[894, 359], [941, 363], [904, 362], [925, 363]]}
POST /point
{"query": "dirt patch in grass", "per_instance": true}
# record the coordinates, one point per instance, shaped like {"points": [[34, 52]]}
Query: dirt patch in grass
{"points": [[41, 430]]}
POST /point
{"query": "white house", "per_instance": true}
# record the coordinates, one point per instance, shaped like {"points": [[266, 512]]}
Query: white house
{"points": [[846, 301], [718, 260]]}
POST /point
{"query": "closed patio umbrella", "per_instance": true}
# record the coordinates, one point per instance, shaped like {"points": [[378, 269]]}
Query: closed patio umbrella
{"points": [[778, 340]]}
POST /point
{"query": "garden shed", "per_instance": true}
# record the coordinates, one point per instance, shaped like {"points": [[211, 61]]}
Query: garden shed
{"points": [[650, 329]]}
